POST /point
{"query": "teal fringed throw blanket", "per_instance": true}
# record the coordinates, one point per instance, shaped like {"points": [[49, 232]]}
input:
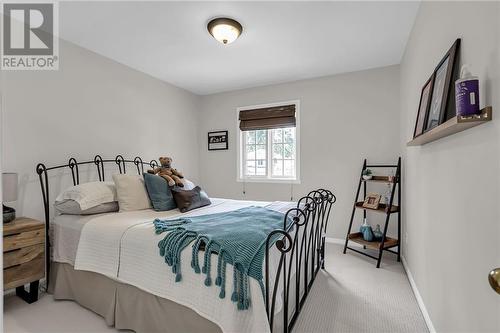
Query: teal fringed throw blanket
{"points": [[238, 237]]}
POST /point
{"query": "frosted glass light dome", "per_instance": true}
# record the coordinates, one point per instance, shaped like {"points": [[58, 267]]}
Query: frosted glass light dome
{"points": [[224, 30]]}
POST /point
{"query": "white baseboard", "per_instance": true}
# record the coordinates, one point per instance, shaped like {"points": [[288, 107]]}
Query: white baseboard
{"points": [[340, 241], [413, 285], [334, 240], [420, 301]]}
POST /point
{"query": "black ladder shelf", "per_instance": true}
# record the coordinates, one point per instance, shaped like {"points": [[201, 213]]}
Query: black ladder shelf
{"points": [[387, 243]]}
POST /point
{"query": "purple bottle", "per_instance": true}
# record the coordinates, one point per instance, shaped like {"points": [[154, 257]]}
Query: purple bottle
{"points": [[467, 93]]}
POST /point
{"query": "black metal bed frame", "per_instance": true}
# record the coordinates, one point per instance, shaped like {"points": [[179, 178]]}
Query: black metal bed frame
{"points": [[301, 242]]}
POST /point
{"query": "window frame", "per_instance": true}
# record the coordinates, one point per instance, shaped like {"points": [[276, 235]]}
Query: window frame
{"points": [[241, 149], [283, 159]]}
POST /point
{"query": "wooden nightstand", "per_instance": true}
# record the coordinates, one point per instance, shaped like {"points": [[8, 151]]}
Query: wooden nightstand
{"points": [[23, 256]]}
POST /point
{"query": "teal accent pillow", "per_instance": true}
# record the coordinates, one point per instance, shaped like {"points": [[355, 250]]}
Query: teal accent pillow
{"points": [[159, 192]]}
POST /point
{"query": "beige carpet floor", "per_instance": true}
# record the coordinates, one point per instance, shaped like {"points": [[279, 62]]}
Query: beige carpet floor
{"points": [[350, 296]]}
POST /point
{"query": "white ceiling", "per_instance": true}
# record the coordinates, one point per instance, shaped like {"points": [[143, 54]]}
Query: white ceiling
{"points": [[281, 41]]}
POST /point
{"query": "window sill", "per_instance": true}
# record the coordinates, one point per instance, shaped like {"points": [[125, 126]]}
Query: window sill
{"points": [[269, 180]]}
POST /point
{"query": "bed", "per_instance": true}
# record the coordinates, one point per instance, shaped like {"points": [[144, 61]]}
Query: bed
{"points": [[109, 263]]}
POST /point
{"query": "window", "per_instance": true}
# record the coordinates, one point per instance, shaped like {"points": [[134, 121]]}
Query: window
{"points": [[268, 155]]}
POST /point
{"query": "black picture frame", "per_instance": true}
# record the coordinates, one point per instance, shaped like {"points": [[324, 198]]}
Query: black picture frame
{"points": [[442, 86], [423, 107], [218, 140]]}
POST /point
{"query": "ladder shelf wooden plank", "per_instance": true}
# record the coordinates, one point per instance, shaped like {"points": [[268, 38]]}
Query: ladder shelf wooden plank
{"points": [[389, 242], [382, 208], [381, 179], [357, 237]]}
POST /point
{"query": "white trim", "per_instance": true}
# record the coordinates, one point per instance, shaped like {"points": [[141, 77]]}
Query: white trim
{"points": [[341, 241], [268, 180], [335, 240], [420, 301], [239, 155]]}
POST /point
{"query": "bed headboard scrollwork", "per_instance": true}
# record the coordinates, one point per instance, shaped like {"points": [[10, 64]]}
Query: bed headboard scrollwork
{"points": [[73, 166]]}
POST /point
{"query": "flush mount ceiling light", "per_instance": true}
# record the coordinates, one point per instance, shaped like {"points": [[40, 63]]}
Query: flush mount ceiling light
{"points": [[224, 29]]}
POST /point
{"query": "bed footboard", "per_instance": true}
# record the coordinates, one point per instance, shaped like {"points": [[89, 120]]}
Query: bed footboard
{"points": [[301, 247]]}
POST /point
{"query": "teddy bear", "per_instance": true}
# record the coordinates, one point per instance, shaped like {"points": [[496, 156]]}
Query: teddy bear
{"points": [[171, 175]]}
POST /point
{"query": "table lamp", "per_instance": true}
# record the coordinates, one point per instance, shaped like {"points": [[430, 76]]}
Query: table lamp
{"points": [[9, 194]]}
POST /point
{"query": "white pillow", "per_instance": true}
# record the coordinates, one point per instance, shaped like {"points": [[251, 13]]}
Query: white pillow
{"points": [[188, 185], [89, 195], [71, 207], [131, 192]]}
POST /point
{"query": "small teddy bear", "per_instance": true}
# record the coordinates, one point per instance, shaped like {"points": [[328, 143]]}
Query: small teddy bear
{"points": [[171, 175]]}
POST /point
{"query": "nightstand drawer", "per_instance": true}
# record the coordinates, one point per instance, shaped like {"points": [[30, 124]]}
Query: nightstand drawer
{"points": [[22, 255], [24, 273], [24, 239]]}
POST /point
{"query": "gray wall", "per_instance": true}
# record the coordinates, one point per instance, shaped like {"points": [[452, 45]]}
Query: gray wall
{"points": [[343, 119], [452, 185], [91, 105]]}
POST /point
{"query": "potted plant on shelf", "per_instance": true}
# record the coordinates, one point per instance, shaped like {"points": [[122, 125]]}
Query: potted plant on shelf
{"points": [[367, 174]]}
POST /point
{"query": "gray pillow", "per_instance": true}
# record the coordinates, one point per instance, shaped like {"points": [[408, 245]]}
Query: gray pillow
{"points": [[71, 207], [187, 200]]}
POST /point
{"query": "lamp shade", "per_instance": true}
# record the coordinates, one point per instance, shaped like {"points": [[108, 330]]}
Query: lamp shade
{"points": [[9, 186]]}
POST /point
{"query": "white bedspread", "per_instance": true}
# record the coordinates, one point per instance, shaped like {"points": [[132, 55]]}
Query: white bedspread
{"points": [[123, 246]]}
